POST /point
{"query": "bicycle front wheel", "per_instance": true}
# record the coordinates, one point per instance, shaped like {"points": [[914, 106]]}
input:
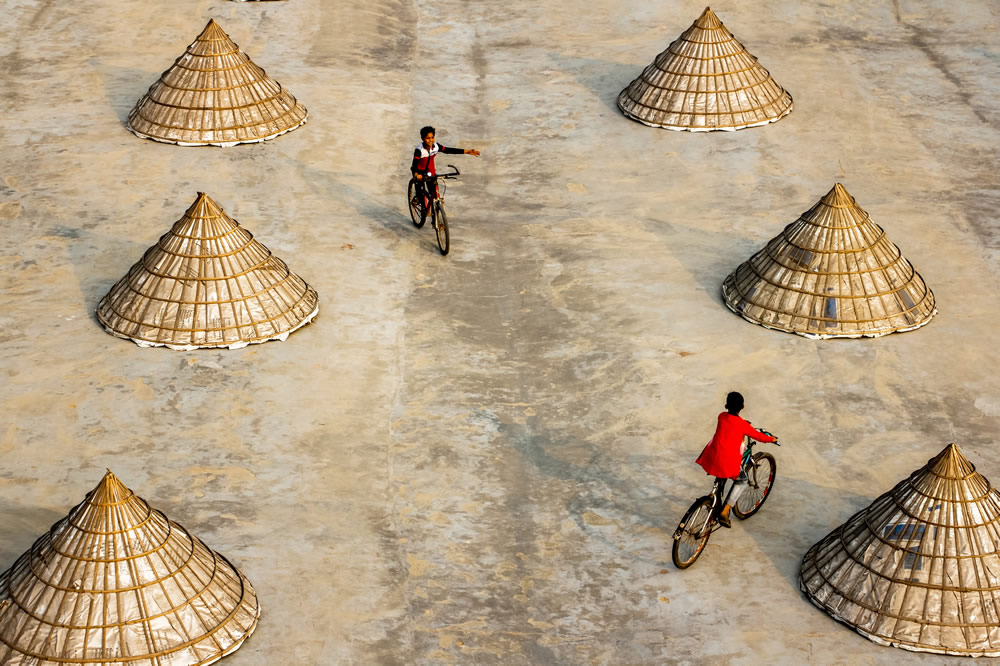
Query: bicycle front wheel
{"points": [[442, 227], [418, 212], [760, 473], [692, 533]]}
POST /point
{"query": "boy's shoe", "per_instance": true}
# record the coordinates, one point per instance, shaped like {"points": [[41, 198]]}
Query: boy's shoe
{"points": [[724, 521]]}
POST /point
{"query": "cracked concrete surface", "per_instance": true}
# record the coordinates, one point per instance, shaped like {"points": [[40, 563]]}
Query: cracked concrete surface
{"points": [[480, 459]]}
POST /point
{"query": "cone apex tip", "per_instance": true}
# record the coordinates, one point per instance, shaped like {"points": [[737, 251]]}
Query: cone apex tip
{"points": [[108, 487], [211, 28], [838, 194], [708, 19], [950, 463], [109, 477]]}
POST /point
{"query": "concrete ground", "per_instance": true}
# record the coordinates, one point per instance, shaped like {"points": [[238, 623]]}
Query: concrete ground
{"points": [[480, 458]]}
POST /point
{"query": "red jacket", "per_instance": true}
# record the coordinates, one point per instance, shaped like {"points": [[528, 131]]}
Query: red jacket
{"points": [[722, 456]]}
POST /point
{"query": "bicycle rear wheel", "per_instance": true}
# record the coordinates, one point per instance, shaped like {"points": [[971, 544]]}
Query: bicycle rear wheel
{"points": [[418, 213], [442, 227], [760, 473], [692, 533]]}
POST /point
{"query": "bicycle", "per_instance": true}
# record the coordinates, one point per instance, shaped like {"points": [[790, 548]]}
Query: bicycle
{"points": [[433, 203], [702, 518]]}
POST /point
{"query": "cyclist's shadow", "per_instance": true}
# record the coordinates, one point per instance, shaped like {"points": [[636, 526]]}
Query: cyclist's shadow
{"points": [[390, 218], [799, 513], [640, 518]]}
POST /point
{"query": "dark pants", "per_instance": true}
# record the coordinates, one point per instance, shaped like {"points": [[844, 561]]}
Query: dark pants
{"points": [[425, 188]]}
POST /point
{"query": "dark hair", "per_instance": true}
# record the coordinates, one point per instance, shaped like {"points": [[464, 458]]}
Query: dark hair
{"points": [[424, 131], [734, 402]]}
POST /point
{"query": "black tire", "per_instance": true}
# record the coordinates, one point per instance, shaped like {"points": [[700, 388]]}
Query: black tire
{"points": [[417, 211], [692, 533], [761, 475], [442, 227]]}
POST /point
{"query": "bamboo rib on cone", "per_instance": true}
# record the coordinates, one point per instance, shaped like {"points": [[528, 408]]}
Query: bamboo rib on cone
{"points": [[831, 273], [919, 568], [116, 582], [215, 95], [705, 80], [207, 283]]}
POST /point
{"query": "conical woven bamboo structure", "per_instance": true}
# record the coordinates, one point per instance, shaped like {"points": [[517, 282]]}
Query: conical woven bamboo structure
{"points": [[920, 567], [214, 95], [207, 283], [705, 80], [832, 273], [116, 582]]}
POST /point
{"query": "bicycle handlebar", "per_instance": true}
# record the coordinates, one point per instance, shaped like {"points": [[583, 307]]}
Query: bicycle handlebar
{"points": [[769, 434], [446, 176]]}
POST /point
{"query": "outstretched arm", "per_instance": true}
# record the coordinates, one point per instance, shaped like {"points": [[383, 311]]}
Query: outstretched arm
{"points": [[460, 151], [753, 433]]}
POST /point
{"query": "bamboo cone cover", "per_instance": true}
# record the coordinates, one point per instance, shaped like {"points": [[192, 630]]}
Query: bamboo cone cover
{"points": [[116, 582], [207, 283], [705, 80], [920, 567], [215, 95], [831, 273]]}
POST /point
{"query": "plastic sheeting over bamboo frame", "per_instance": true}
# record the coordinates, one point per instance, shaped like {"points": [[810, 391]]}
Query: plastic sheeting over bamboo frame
{"points": [[919, 568], [116, 582], [215, 95], [207, 283], [705, 80], [831, 273]]}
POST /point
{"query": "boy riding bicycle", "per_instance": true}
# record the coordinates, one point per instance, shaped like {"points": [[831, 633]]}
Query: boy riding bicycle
{"points": [[422, 165], [723, 456]]}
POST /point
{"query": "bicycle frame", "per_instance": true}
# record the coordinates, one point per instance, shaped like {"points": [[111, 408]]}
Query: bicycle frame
{"points": [[431, 185], [719, 486]]}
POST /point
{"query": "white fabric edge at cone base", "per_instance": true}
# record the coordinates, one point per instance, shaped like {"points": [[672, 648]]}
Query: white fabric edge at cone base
{"points": [[818, 336], [221, 144], [236, 345], [677, 128], [238, 644], [883, 641]]}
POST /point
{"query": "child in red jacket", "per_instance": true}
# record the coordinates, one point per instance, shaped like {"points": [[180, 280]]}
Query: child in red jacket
{"points": [[723, 456], [422, 164]]}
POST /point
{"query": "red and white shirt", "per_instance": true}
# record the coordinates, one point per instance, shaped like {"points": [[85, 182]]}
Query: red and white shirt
{"points": [[423, 159]]}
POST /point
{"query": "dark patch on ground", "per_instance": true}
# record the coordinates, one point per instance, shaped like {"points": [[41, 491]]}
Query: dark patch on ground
{"points": [[923, 39]]}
